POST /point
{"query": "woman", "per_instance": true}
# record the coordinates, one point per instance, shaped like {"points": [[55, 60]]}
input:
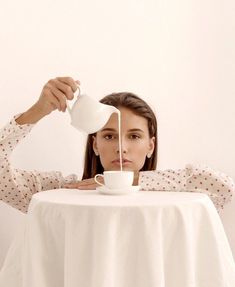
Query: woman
{"points": [[139, 151]]}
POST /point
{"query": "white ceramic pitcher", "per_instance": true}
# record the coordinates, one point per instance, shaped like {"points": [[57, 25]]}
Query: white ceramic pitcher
{"points": [[89, 115]]}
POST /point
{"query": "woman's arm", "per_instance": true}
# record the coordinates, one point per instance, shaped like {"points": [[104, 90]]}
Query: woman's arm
{"points": [[18, 186], [31, 116], [53, 97], [218, 186]]}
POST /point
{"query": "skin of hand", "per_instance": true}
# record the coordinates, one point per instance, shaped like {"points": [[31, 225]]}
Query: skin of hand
{"points": [[54, 95], [86, 184], [90, 184]]}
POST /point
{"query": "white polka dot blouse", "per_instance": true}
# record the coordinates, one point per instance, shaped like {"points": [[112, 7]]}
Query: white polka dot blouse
{"points": [[18, 186]]}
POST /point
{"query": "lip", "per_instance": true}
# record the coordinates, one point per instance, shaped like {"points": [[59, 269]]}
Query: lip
{"points": [[124, 161]]}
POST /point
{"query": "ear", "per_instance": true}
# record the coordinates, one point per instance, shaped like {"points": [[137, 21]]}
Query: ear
{"points": [[94, 145], [151, 145]]}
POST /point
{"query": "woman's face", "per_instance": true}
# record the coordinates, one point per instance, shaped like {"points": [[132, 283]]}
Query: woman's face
{"points": [[136, 143]]}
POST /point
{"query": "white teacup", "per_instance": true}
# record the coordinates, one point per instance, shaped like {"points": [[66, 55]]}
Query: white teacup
{"points": [[116, 179]]}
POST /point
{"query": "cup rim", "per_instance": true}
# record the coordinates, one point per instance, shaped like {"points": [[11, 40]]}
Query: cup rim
{"points": [[118, 171]]}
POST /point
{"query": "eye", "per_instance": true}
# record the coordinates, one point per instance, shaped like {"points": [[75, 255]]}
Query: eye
{"points": [[109, 136], [134, 136]]}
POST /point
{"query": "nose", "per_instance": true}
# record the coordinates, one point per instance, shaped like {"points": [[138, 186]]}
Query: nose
{"points": [[124, 147]]}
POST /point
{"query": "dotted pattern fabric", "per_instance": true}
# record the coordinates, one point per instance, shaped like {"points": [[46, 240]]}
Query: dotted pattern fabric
{"points": [[217, 185], [17, 186]]}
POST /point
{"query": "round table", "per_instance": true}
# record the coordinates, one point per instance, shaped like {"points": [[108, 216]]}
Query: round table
{"points": [[79, 238]]}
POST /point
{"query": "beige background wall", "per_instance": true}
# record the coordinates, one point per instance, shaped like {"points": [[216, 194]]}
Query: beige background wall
{"points": [[178, 55]]}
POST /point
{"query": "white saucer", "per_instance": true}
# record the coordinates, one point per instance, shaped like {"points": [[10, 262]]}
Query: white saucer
{"points": [[129, 190]]}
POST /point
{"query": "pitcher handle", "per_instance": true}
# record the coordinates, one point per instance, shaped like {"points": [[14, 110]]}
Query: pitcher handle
{"points": [[67, 102]]}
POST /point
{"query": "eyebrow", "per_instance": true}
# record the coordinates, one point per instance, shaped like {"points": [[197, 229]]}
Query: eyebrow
{"points": [[114, 130]]}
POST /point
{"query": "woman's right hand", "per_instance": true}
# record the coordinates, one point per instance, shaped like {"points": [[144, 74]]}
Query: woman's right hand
{"points": [[54, 95]]}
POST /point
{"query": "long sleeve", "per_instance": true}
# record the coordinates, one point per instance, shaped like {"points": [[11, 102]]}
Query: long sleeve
{"points": [[218, 186], [17, 186]]}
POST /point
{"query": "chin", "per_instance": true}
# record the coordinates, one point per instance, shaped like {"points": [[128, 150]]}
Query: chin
{"points": [[127, 168]]}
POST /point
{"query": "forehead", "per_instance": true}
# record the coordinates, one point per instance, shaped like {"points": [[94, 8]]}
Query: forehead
{"points": [[129, 120]]}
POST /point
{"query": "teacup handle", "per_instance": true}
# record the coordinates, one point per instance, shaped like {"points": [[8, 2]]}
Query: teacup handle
{"points": [[67, 102], [96, 180]]}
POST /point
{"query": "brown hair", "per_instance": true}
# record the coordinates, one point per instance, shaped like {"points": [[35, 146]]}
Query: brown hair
{"points": [[92, 164]]}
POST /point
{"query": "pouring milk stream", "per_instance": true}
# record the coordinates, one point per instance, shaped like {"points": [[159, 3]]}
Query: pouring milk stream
{"points": [[89, 116]]}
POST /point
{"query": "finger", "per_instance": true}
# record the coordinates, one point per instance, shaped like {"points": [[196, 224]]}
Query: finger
{"points": [[74, 184], [53, 101], [70, 82], [87, 187], [83, 186], [85, 183], [90, 187], [82, 183], [65, 89], [69, 186], [60, 97]]}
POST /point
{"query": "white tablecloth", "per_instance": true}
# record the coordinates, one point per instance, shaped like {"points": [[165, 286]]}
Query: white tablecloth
{"points": [[78, 238]]}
